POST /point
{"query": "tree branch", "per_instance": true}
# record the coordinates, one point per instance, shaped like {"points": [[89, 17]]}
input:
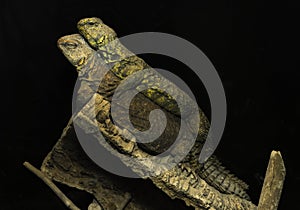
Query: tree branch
{"points": [[55, 189], [273, 183]]}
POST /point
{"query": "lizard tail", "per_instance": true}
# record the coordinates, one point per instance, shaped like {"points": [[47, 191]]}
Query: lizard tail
{"points": [[219, 177]]}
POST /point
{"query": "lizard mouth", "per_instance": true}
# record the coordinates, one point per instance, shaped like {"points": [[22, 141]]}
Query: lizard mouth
{"points": [[91, 40], [81, 62]]}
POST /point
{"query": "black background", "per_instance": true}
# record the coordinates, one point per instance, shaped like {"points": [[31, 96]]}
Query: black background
{"points": [[252, 45]]}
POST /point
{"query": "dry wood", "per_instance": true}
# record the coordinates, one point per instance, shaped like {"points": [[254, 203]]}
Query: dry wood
{"points": [[94, 206], [273, 183]]}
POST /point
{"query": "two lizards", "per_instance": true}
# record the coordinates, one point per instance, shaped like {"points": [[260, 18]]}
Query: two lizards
{"points": [[207, 186]]}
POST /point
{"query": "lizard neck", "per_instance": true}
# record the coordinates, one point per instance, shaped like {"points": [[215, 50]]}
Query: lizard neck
{"points": [[114, 52]]}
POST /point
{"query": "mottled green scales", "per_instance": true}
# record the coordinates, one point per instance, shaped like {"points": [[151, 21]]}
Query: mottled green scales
{"points": [[185, 180], [124, 63]]}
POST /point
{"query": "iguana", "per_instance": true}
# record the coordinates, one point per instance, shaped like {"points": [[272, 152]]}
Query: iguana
{"points": [[104, 39], [178, 182]]}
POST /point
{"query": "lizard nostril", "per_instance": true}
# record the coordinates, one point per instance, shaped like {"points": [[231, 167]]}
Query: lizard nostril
{"points": [[60, 42]]}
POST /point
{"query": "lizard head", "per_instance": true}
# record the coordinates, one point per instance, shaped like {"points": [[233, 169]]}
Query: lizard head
{"points": [[96, 32], [75, 49]]}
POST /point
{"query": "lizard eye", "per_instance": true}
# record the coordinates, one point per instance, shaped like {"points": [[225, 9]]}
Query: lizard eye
{"points": [[70, 45], [91, 23]]}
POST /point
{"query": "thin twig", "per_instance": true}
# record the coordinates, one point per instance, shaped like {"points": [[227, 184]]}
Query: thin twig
{"points": [[55, 189]]}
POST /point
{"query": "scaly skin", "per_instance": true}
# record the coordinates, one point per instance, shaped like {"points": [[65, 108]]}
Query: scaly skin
{"points": [[124, 63], [178, 182]]}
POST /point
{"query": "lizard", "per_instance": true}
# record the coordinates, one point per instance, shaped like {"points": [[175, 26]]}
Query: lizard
{"points": [[178, 182], [124, 63]]}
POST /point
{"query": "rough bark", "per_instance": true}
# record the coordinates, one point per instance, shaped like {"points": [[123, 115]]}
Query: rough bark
{"points": [[273, 183], [68, 164]]}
